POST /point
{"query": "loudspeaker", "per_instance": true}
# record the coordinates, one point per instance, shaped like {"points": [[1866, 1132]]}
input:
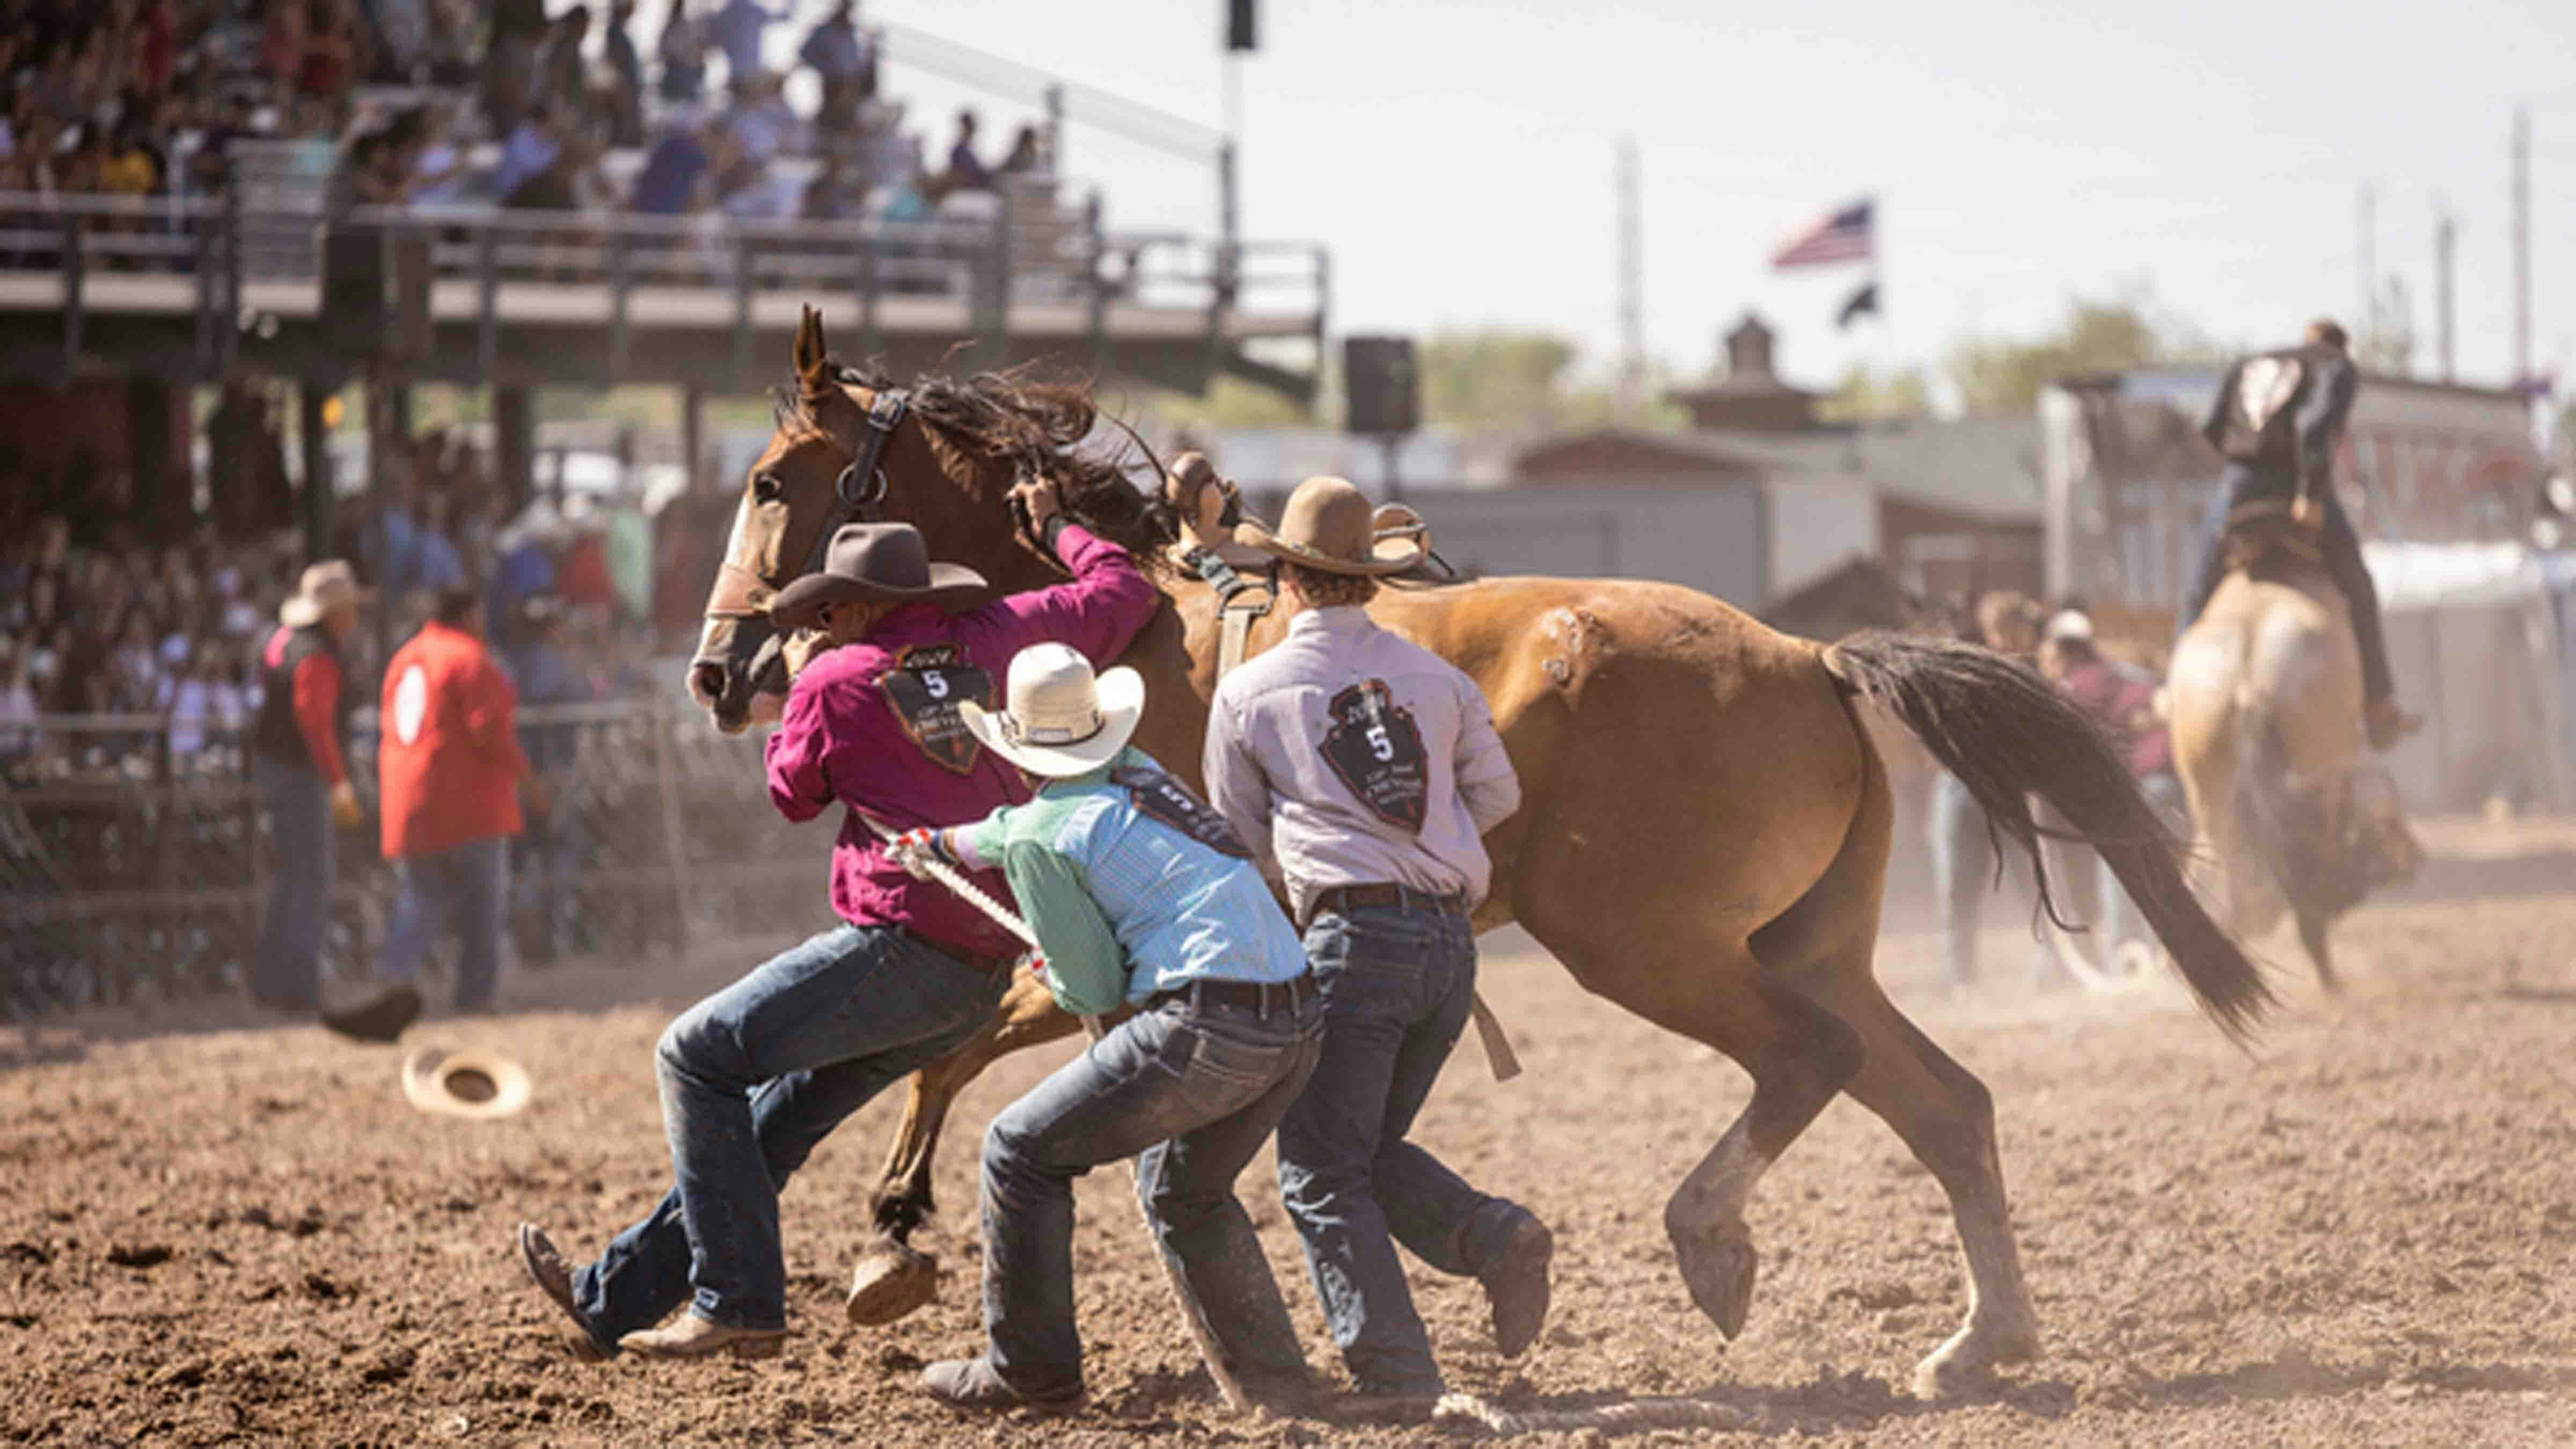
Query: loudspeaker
{"points": [[1240, 29], [1378, 387]]}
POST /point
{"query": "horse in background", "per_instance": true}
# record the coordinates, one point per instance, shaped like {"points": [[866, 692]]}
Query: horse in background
{"points": [[2295, 815]]}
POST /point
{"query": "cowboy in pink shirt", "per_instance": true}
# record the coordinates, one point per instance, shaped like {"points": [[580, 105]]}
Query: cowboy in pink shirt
{"points": [[755, 1075]]}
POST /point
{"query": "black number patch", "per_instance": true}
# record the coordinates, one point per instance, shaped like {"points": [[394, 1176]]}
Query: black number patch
{"points": [[1168, 800], [1376, 750], [925, 687]]}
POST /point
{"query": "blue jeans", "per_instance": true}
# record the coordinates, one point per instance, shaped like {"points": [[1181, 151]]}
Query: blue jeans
{"points": [[1195, 1088], [1398, 985], [467, 886], [2338, 545], [288, 973], [1963, 870], [754, 1076]]}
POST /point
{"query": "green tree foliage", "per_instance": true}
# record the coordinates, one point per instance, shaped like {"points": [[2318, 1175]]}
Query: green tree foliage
{"points": [[2003, 378], [1494, 377], [1868, 396]]}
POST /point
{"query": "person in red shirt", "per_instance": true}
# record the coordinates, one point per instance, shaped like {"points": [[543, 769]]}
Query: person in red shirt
{"points": [[298, 760], [449, 772], [2123, 699]]}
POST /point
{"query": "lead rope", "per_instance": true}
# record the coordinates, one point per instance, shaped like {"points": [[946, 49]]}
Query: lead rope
{"points": [[925, 866]]}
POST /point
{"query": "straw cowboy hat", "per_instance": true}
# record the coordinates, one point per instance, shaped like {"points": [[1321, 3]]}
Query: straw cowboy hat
{"points": [[476, 1085], [1329, 526], [1061, 720], [325, 586], [874, 563]]}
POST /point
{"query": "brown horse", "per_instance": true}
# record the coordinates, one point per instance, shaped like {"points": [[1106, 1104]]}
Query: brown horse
{"points": [[1704, 826], [2293, 812]]}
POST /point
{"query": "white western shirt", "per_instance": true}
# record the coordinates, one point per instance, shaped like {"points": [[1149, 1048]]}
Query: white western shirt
{"points": [[1349, 755]]}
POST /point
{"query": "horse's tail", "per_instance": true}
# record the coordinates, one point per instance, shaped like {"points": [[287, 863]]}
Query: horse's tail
{"points": [[2007, 735]]}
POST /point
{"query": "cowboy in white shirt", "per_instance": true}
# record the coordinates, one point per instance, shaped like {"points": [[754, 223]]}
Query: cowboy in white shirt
{"points": [[1363, 770]]}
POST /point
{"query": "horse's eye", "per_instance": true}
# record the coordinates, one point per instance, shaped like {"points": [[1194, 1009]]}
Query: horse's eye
{"points": [[766, 487]]}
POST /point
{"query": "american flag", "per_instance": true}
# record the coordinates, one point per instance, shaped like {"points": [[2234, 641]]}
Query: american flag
{"points": [[1845, 236]]}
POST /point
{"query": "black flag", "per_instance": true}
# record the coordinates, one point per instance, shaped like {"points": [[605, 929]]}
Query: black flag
{"points": [[1863, 303]]}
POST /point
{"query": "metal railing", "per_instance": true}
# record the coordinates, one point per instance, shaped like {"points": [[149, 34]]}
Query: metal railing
{"points": [[136, 856], [636, 268]]}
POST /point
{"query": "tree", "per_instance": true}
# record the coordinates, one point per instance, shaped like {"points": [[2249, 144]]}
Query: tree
{"points": [[1493, 376], [1867, 396], [2003, 379]]}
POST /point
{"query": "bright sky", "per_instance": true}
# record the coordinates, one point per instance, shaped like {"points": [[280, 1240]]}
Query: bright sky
{"points": [[1457, 155]]}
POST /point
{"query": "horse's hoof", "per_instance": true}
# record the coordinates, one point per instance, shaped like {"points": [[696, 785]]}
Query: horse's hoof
{"points": [[1966, 1364], [1718, 1266], [892, 1280]]}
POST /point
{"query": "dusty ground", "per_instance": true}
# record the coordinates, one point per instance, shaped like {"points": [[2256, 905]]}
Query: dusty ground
{"points": [[218, 1230]]}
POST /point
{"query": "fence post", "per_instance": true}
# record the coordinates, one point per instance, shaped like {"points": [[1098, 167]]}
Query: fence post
{"points": [[1095, 282], [742, 263], [871, 341], [619, 285], [993, 331], [487, 341], [228, 319], [666, 779], [75, 265]]}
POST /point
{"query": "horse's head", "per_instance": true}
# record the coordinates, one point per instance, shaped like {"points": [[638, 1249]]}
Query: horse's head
{"points": [[941, 457]]}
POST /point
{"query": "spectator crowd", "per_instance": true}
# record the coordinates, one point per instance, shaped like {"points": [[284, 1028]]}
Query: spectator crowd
{"points": [[147, 98], [106, 626]]}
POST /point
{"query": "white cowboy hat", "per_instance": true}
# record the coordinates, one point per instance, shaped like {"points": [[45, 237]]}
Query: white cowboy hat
{"points": [[477, 1085], [324, 587], [2070, 624], [1062, 720]]}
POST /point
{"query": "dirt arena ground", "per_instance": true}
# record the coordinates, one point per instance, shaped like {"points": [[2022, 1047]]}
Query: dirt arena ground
{"points": [[216, 1230]]}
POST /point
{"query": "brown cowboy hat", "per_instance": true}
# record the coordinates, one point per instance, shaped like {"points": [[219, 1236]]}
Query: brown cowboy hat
{"points": [[874, 563], [1329, 526]]}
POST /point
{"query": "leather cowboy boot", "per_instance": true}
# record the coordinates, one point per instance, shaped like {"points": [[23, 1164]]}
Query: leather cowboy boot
{"points": [[690, 1336]]}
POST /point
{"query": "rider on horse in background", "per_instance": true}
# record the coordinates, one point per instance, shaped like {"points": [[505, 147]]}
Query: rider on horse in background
{"points": [[2277, 419]]}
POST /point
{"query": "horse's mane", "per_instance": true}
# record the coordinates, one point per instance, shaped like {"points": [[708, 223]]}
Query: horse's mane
{"points": [[1037, 426]]}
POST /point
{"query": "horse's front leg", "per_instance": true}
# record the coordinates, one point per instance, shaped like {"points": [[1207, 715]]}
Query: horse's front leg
{"points": [[893, 1278]]}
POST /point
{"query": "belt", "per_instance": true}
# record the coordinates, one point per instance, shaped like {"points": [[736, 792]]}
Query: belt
{"points": [[1342, 900], [1253, 996], [986, 964]]}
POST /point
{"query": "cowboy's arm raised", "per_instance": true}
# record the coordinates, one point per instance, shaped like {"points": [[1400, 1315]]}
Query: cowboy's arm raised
{"points": [[1098, 612]]}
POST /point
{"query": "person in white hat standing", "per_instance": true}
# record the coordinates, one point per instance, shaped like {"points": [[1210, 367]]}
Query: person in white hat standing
{"points": [[1364, 771], [1142, 896], [298, 759]]}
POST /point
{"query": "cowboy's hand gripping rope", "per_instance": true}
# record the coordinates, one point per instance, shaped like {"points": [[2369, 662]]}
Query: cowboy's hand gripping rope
{"points": [[926, 866]]}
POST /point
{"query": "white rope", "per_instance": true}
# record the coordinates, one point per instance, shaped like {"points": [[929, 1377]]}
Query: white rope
{"points": [[1629, 1414], [927, 866]]}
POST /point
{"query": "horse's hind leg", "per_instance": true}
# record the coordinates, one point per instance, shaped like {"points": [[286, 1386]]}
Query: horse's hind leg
{"points": [[1798, 1054], [1823, 946], [1947, 1118]]}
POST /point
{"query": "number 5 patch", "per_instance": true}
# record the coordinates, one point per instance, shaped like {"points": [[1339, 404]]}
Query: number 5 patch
{"points": [[1376, 750], [924, 687]]}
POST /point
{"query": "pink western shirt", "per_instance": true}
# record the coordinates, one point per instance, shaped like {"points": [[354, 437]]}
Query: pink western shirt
{"points": [[873, 725]]}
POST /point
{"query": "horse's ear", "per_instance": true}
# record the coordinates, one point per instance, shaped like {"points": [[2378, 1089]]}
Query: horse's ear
{"points": [[813, 359]]}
